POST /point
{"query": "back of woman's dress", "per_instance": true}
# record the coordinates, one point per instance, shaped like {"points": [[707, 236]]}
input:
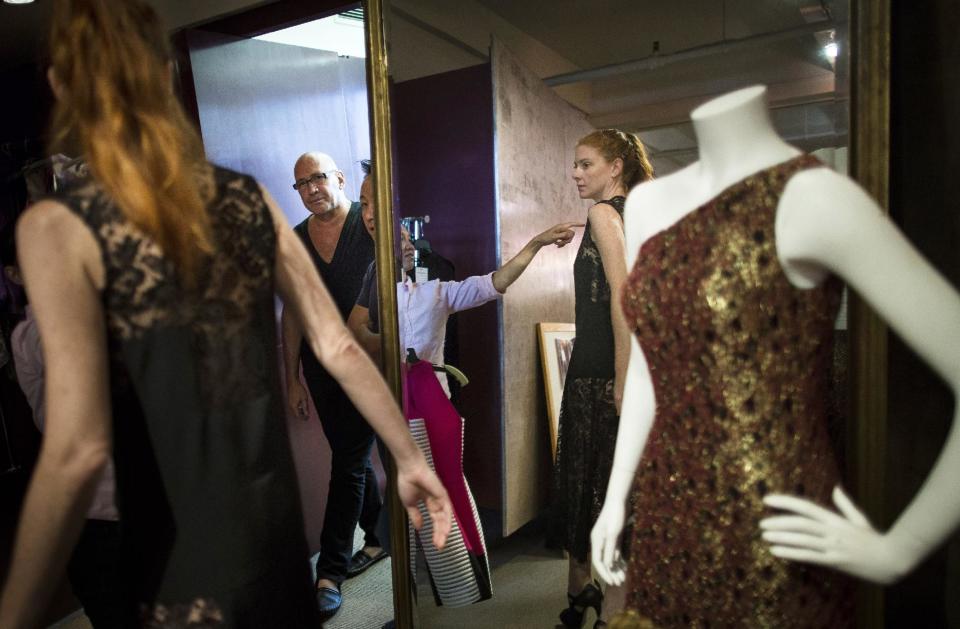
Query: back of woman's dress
{"points": [[740, 361], [588, 416], [210, 513]]}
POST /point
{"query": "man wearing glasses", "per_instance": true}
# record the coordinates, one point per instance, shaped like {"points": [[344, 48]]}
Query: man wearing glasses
{"points": [[342, 250]]}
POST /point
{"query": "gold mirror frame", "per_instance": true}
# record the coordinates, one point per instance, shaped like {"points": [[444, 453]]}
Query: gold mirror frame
{"points": [[378, 96], [870, 166], [870, 153]]}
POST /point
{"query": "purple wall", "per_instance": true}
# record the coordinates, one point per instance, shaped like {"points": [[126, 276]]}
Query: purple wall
{"points": [[443, 129]]}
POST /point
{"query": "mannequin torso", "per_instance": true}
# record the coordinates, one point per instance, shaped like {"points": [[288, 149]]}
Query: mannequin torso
{"points": [[736, 139], [824, 224]]}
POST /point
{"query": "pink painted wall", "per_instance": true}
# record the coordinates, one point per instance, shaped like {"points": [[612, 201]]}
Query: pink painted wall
{"points": [[535, 134]]}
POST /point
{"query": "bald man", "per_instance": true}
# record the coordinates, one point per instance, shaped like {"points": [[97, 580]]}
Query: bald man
{"points": [[342, 250]]}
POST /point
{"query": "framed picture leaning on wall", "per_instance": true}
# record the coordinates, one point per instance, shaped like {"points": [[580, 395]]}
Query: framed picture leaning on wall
{"points": [[556, 345]]}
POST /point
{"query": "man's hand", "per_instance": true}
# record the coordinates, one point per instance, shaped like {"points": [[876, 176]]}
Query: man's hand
{"points": [[416, 484], [559, 235], [297, 399]]}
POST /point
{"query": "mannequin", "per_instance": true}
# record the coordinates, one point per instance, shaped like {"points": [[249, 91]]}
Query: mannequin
{"points": [[824, 224]]}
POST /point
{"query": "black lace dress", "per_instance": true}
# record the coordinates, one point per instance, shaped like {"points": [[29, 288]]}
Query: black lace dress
{"points": [[212, 531], [588, 416]]}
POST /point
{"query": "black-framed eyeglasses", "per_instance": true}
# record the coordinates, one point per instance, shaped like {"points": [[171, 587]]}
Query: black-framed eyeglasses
{"points": [[316, 179]]}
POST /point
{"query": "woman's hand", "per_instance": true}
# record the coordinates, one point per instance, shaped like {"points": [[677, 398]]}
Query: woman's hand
{"points": [[416, 484], [605, 543], [846, 541]]}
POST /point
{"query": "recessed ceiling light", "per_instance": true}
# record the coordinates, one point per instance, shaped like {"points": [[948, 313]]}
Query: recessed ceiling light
{"points": [[18, 1]]}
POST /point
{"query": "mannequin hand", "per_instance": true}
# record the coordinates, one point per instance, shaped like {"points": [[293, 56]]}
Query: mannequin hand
{"points": [[560, 235], [297, 400], [417, 483], [846, 541], [605, 543]]}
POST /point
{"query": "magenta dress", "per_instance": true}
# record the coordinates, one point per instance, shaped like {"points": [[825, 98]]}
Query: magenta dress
{"points": [[460, 573]]}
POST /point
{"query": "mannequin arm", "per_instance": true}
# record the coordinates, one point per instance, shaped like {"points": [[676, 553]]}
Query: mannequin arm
{"points": [[636, 419], [825, 220], [607, 228]]}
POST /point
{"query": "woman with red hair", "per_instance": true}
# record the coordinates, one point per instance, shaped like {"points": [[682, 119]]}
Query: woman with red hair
{"points": [[153, 286]]}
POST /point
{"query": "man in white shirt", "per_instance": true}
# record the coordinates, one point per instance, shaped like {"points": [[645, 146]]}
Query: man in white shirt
{"points": [[423, 310]]}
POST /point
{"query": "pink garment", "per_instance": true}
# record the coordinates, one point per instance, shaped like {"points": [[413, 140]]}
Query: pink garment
{"points": [[460, 573], [28, 361], [425, 399]]}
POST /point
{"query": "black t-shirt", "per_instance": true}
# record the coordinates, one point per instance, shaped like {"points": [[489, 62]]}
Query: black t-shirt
{"points": [[369, 298], [342, 276]]}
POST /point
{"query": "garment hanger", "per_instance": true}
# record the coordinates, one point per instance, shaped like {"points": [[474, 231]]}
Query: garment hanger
{"points": [[457, 375]]}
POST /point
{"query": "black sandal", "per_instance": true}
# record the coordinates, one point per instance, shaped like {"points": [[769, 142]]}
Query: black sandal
{"points": [[589, 596], [361, 561]]}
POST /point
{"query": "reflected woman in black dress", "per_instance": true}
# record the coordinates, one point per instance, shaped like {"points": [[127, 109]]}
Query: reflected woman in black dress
{"points": [[607, 164], [153, 287]]}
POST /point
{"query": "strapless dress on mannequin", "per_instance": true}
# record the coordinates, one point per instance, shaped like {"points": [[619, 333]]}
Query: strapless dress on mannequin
{"points": [[740, 361]]}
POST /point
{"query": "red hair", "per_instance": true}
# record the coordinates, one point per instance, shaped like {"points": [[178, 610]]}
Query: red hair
{"points": [[116, 105], [613, 144]]}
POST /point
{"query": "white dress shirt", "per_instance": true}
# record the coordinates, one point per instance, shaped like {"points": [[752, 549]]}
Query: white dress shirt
{"points": [[423, 309]]}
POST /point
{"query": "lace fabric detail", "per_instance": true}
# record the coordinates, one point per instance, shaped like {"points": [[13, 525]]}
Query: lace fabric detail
{"points": [[142, 289], [585, 445]]}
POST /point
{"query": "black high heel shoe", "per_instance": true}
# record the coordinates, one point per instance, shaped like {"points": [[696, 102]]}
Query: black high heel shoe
{"points": [[589, 596]]}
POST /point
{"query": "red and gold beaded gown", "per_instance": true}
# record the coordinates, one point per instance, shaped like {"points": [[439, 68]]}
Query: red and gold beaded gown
{"points": [[740, 361]]}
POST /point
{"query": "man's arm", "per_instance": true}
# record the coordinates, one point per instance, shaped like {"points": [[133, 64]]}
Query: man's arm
{"points": [[292, 336], [508, 273], [359, 324]]}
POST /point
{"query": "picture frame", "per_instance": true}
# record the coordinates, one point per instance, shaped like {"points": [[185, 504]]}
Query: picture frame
{"points": [[556, 347]]}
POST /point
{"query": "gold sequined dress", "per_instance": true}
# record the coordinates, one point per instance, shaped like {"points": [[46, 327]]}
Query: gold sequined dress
{"points": [[741, 365]]}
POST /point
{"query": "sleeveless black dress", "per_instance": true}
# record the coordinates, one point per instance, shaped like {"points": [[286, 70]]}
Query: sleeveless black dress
{"points": [[212, 531], [588, 417]]}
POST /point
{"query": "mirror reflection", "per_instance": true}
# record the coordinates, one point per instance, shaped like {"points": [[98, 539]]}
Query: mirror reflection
{"points": [[300, 96], [208, 464], [496, 106]]}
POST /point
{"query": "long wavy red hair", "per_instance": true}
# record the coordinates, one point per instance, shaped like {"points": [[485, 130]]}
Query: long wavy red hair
{"points": [[116, 105]]}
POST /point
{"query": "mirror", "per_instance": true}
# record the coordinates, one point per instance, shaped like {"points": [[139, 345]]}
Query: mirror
{"points": [[270, 85], [488, 99]]}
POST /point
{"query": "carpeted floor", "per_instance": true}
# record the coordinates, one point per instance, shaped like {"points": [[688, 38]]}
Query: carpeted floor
{"points": [[529, 590], [367, 598], [529, 585]]}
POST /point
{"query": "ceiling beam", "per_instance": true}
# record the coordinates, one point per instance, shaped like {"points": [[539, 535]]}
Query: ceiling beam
{"points": [[717, 48]]}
